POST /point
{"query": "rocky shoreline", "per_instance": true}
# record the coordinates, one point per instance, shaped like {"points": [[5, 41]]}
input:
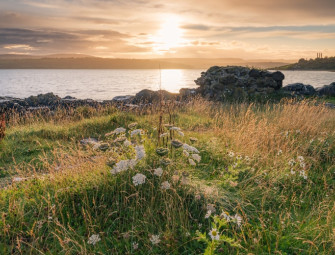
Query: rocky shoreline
{"points": [[217, 83]]}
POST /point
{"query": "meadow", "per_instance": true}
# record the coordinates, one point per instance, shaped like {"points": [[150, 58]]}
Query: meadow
{"points": [[196, 178]]}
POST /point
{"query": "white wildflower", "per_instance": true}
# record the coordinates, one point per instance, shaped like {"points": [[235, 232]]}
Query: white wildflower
{"points": [[311, 141], [209, 213], [180, 133], [279, 152], [239, 157], [136, 132], [140, 152], [49, 218], [226, 216], [126, 143], [303, 174], [191, 161], [158, 172], [298, 131], [166, 185], [190, 148], [235, 165], [139, 179], [135, 245], [292, 171], [116, 131], [246, 158], [94, 239], [175, 128], [302, 164], [187, 234], [163, 135], [19, 179], [196, 157], [186, 154], [231, 154], [300, 158], [291, 162], [238, 219], [214, 234], [154, 239], [123, 165]]}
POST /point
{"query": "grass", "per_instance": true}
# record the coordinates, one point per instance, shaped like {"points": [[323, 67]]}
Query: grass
{"points": [[270, 164]]}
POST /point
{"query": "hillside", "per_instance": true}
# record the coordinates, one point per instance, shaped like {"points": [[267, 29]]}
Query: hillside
{"points": [[311, 64]]}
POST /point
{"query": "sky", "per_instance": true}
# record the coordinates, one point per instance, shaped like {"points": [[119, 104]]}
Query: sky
{"points": [[258, 29]]}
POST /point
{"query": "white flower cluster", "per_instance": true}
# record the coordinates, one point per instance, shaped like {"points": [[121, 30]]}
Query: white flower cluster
{"points": [[166, 185], [137, 132], [116, 131], [94, 239], [139, 179], [154, 239], [140, 152], [190, 148], [123, 165], [158, 172]]}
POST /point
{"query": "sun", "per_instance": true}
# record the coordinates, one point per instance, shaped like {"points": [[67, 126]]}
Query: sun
{"points": [[169, 36]]}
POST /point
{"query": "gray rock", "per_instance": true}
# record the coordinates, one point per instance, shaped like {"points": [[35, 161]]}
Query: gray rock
{"points": [[300, 89], [150, 96], [327, 90]]}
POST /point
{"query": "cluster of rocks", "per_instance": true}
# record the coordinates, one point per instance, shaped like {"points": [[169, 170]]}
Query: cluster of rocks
{"points": [[300, 89], [219, 83]]}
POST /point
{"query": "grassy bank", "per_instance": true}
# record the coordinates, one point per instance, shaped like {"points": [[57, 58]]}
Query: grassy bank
{"points": [[262, 181]]}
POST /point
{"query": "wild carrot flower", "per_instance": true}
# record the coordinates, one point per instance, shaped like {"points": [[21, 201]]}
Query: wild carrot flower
{"points": [[116, 131], [154, 239], [196, 157], [231, 154], [163, 135], [176, 143], [166, 185], [175, 128], [136, 132], [158, 172], [126, 143], [180, 133], [186, 154], [139, 179], [93, 239], [132, 125], [214, 234], [135, 245], [191, 161], [123, 165], [291, 162], [190, 148], [140, 152]]}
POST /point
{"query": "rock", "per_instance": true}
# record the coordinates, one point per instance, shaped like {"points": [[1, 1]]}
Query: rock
{"points": [[150, 96], [184, 93], [123, 99], [219, 83], [300, 89], [330, 105], [327, 90], [48, 99]]}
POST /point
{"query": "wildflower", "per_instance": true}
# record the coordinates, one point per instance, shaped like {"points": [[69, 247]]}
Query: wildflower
{"points": [[176, 143], [175, 128], [211, 207], [209, 213], [139, 179], [137, 132], [126, 143], [191, 161], [154, 239], [166, 185], [190, 148], [135, 245], [187, 234], [231, 154], [238, 219], [246, 158], [116, 131], [162, 151], [180, 133], [225, 215], [163, 135], [158, 172], [94, 239], [302, 164], [140, 152], [165, 161], [239, 157], [186, 154], [300, 158], [193, 139], [298, 131], [197, 197], [49, 218], [303, 174], [292, 171], [184, 180], [18, 179], [291, 162], [196, 157], [279, 152], [214, 234], [132, 125], [123, 165], [235, 165]]}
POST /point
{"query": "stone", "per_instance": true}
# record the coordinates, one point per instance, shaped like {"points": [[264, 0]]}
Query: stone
{"points": [[300, 89], [150, 96], [327, 90]]}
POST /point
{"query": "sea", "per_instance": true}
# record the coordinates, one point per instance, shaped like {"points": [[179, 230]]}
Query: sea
{"points": [[106, 84]]}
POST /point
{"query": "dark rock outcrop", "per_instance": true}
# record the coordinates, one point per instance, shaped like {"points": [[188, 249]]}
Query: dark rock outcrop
{"points": [[300, 89], [150, 96], [237, 82], [327, 90]]}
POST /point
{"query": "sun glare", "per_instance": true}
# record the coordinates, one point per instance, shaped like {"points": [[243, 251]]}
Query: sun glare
{"points": [[169, 36]]}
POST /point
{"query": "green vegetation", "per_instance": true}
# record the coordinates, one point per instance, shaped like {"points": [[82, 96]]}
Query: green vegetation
{"points": [[312, 64], [252, 179]]}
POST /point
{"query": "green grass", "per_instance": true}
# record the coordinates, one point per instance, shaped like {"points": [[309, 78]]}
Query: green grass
{"points": [[245, 150]]}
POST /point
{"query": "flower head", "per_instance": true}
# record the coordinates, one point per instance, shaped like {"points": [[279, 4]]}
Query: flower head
{"points": [[93, 239], [209, 213], [135, 245], [190, 148], [186, 154], [231, 154], [154, 239], [116, 131], [158, 172], [166, 185], [214, 234], [137, 132], [196, 157], [140, 152], [139, 179], [123, 165], [191, 161]]}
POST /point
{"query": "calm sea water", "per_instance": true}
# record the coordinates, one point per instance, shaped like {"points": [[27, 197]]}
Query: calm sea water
{"points": [[106, 84]]}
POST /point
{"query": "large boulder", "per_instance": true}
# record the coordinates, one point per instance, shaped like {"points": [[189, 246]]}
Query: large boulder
{"points": [[327, 90], [300, 89], [236, 81], [48, 99], [150, 96]]}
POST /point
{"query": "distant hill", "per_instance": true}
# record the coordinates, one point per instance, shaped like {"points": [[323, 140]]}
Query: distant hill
{"points": [[80, 61], [312, 64]]}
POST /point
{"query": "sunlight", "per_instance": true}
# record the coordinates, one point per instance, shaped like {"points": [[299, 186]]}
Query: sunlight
{"points": [[172, 79], [169, 36]]}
